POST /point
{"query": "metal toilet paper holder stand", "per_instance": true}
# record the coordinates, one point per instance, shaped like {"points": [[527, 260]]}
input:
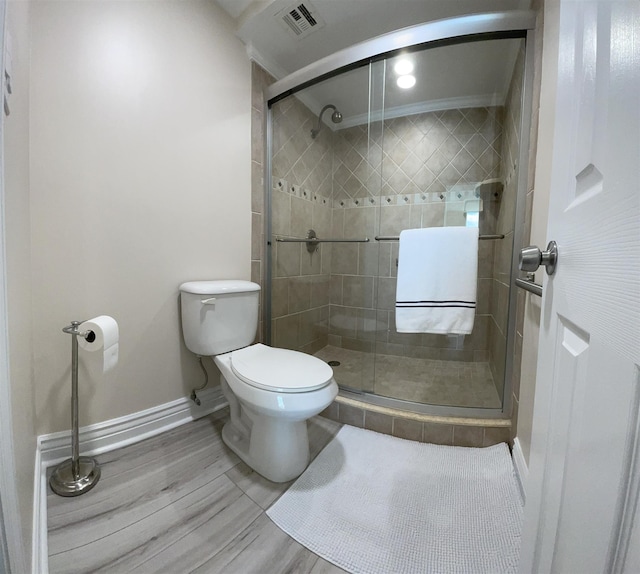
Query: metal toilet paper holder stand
{"points": [[79, 474]]}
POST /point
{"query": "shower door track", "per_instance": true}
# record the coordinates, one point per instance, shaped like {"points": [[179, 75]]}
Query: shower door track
{"points": [[422, 408], [511, 24]]}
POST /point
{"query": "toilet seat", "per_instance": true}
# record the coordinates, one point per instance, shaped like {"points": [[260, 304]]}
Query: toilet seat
{"points": [[280, 370]]}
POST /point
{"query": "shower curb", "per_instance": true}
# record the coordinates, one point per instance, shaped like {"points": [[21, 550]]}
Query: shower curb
{"points": [[421, 417], [421, 427]]}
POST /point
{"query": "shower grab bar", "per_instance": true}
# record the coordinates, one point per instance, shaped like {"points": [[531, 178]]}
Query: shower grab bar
{"points": [[396, 238], [312, 240], [316, 240], [529, 285]]}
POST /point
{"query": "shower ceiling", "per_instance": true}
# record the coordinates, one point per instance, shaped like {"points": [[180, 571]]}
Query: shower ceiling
{"points": [[459, 76], [348, 22]]}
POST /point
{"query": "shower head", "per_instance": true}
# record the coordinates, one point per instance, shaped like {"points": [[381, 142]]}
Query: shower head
{"points": [[336, 118]]}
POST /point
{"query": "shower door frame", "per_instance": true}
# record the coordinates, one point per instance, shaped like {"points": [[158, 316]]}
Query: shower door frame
{"points": [[457, 30]]}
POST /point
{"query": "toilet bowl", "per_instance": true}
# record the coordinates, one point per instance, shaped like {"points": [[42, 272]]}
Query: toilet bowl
{"points": [[271, 392]]}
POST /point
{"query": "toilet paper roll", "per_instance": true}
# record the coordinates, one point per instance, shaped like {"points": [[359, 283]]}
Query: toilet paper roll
{"points": [[103, 335]]}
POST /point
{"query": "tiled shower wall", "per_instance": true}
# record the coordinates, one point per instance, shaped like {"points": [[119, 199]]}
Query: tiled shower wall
{"points": [[505, 224], [431, 164], [260, 79], [333, 184], [523, 369], [349, 205], [324, 184], [363, 284], [426, 152], [301, 200]]}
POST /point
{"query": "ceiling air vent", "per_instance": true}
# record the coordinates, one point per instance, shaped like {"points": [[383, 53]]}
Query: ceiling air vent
{"points": [[301, 19]]}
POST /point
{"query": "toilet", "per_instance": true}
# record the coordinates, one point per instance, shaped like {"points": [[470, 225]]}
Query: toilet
{"points": [[271, 392]]}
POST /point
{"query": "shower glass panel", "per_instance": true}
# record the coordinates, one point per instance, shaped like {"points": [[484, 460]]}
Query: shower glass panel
{"points": [[449, 160], [310, 181], [442, 152]]}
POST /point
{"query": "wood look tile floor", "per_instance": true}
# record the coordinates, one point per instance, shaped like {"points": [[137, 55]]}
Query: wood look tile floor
{"points": [[176, 503]]}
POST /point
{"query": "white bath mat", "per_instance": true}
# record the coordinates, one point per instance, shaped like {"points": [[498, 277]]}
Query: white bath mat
{"points": [[375, 504]]}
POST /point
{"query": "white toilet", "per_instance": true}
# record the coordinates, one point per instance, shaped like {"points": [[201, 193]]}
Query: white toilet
{"points": [[271, 392]]}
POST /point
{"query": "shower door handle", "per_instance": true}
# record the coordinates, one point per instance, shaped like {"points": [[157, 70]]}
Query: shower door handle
{"points": [[531, 258]]}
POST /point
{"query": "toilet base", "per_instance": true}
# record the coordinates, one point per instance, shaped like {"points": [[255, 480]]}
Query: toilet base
{"points": [[275, 448], [268, 430]]}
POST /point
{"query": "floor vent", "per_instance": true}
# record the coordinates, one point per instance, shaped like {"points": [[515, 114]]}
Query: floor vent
{"points": [[301, 19]]}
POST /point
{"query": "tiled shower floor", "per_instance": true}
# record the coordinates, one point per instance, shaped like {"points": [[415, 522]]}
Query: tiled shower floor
{"points": [[428, 381]]}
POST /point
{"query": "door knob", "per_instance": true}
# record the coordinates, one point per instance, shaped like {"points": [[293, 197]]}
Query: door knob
{"points": [[531, 258]]}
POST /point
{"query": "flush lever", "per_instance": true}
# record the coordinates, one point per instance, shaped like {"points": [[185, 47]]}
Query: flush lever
{"points": [[211, 301], [531, 258]]}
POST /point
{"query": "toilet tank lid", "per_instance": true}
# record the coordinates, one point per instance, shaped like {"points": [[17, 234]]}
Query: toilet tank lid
{"points": [[219, 287]]}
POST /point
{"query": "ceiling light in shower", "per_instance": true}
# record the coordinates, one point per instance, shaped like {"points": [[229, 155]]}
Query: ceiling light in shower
{"points": [[403, 67], [407, 81]]}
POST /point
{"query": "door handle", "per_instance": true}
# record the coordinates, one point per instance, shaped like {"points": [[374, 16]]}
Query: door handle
{"points": [[531, 258]]}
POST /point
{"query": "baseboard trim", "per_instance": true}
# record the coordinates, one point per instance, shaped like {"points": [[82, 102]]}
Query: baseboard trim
{"points": [[520, 464], [116, 433], [39, 544], [104, 437]]}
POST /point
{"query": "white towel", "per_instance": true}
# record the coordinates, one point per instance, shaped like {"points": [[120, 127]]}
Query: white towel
{"points": [[437, 278]]}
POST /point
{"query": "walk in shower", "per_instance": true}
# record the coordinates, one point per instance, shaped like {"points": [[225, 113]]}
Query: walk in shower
{"points": [[420, 128]]}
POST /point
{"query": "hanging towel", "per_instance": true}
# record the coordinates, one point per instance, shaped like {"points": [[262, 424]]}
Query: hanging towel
{"points": [[437, 277]]}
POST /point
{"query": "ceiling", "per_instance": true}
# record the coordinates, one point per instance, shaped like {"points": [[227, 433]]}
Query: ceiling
{"points": [[469, 72], [459, 76]]}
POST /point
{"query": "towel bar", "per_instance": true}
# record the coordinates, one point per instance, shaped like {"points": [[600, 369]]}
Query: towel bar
{"points": [[529, 285]]}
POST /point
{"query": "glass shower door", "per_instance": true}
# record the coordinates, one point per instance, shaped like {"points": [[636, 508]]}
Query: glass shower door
{"points": [[359, 157], [357, 184], [449, 152], [325, 182]]}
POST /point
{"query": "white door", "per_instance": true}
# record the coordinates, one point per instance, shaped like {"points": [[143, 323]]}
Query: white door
{"points": [[584, 478], [11, 544]]}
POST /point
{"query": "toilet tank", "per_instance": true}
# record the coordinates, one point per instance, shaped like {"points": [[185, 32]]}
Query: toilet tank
{"points": [[219, 316]]}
